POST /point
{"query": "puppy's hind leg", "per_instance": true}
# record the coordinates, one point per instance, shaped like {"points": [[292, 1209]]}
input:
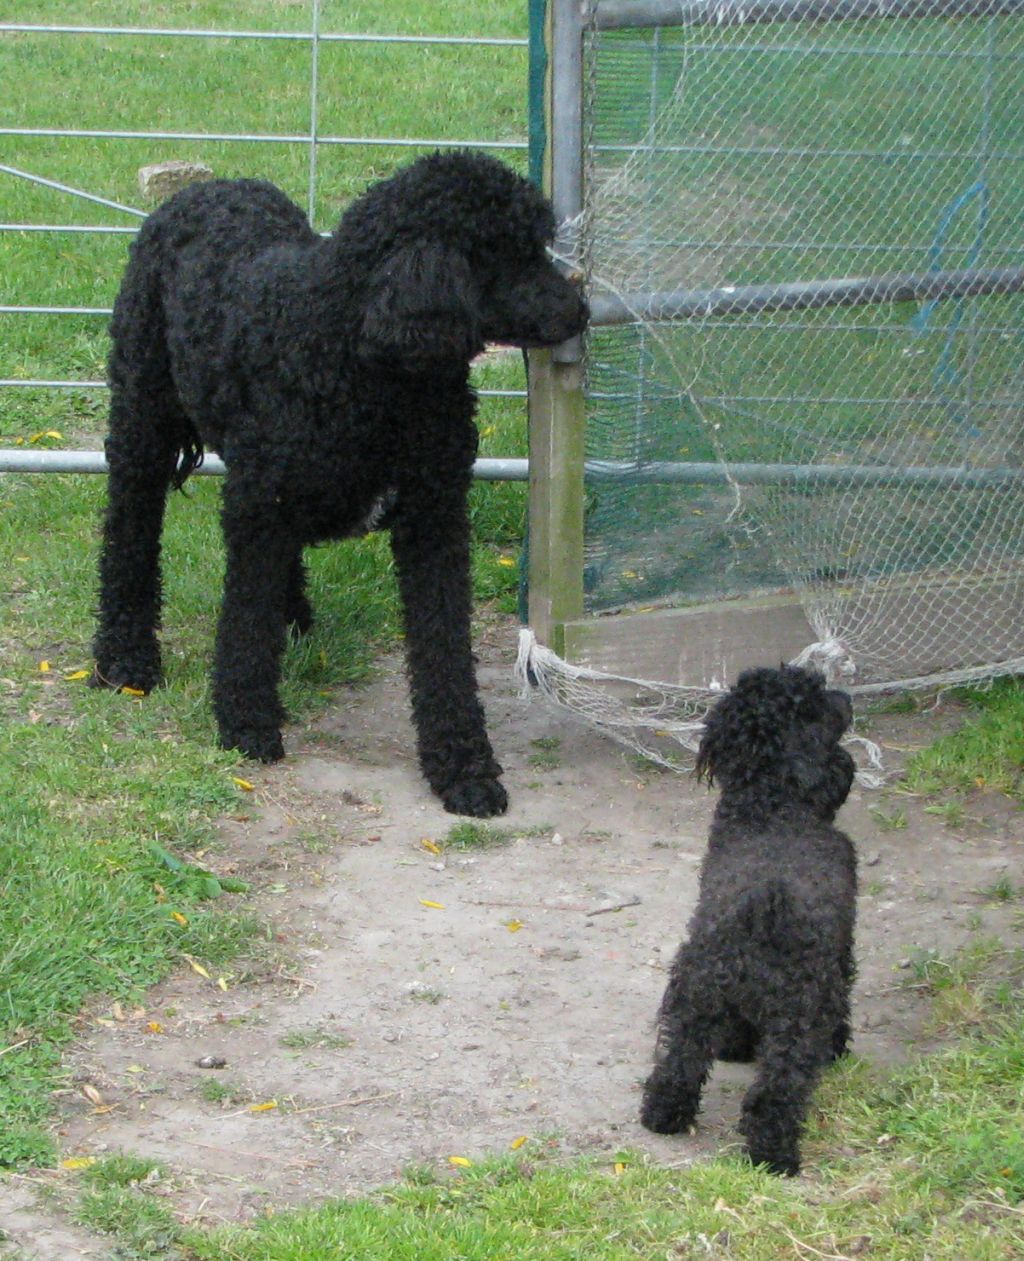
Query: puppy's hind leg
{"points": [[792, 1053], [690, 1025]]}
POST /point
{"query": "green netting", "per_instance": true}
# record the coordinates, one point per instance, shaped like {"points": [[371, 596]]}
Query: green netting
{"points": [[803, 152]]}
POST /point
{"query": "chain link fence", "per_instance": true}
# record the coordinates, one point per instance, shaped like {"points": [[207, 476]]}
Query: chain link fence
{"points": [[804, 227]]}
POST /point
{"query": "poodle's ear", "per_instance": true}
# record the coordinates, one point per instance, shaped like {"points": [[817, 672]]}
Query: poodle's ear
{"points": [[421, 310]]}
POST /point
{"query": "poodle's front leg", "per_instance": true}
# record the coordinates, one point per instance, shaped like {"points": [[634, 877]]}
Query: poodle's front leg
{"points": [[251, 631], [430, 542]]}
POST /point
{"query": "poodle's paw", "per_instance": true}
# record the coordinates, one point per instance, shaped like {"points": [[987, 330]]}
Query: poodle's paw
{"points": [[479, 796], [259, 743], [784, 1161], [136, 673], [663, 1110]]}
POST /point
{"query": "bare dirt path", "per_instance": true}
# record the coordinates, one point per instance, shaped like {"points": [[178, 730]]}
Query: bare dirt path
{"points": [[437, 1004]]}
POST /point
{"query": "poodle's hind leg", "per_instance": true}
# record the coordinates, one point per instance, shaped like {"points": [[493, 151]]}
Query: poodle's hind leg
{"points": [[690, 1025], [298, 612], [792, 1054], [251, 631], [430, 542], [142, 449]]}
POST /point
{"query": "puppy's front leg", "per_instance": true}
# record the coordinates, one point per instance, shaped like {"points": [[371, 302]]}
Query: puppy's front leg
{"points": [[251, 631], [430, 542]]}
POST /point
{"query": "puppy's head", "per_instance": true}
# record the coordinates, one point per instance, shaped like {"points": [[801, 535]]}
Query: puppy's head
{"points": [[780, 729], [465, 263]]}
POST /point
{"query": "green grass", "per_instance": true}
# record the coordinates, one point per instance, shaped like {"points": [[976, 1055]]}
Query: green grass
{"points": [[987, 752], [469, 835]]}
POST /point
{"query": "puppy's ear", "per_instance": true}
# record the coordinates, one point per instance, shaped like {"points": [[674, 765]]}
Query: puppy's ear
{"points": [[713, 744], [421, 310], [821, 774]]}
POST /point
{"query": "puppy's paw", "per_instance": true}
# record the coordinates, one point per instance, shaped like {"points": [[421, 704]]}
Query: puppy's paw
{"points": [[478, 796], [663, 1111], [784, 1162], [259, 744]]}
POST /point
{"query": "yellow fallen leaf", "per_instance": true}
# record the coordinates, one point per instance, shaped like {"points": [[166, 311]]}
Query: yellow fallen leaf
{"points": [[78, 1162], [429, 845], [46, 433], [269, 1106], [75, 675], [434, 906], [619, 1167], [461, 1161], [517, 1142], [154, 1026], [134, 1068], [514, 925], [44, 667], [179, 918], [243, 784], [133, 691], [196, 966], [507, 561], [222, 984]]}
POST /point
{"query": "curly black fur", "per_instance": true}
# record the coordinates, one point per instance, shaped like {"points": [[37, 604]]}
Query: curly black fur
{"points": [[332, 377], [768, 967]]}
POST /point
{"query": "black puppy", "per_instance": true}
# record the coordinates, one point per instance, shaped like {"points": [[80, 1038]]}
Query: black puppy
{"points": [[769, 964], [332, 377]]}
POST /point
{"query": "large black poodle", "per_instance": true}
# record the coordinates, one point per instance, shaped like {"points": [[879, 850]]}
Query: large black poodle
{"points": [[768, 967], [332, 377]]}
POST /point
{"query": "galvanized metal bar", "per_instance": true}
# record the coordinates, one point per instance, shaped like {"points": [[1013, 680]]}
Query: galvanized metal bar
{"points": [[783, 151], [39, 384], [483, 41], [314, 102], [665, 472], [65, 188], [68, 227], [19, 460], [610, 15], [384, 142], [56, 310], [566, 137], [680, 304]]}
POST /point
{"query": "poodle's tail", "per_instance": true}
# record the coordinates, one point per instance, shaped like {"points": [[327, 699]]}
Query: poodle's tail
{"points": [[139, 369]]}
